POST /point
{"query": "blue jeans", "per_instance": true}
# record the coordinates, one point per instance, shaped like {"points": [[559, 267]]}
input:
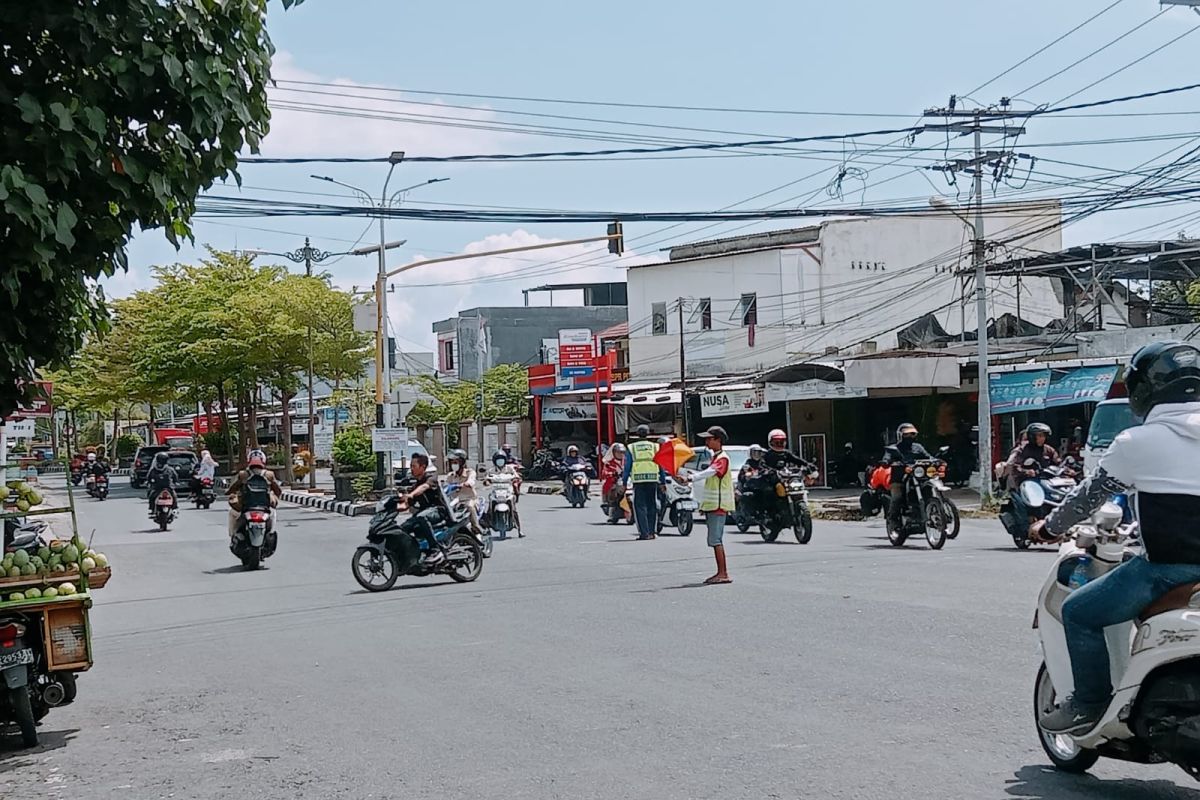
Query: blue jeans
{"points": [[1113, 598], [645, 507]]}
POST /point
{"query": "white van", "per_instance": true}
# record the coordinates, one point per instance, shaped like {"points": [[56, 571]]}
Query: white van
{"points": [[1111, 417]]}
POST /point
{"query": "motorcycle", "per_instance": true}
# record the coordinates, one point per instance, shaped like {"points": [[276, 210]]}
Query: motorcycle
{"points": [[391, 552], [254, 538], [89, 484], [677, 506], [949, 510], [1154, 716], [778, 500], [577, 488], [545, 467], [923, 509], [499, 516], [1040, 494], [28, 689], [76, 475], [205, 493], [796, 514], [99, 488], [461, 511], [620, 504], [166, 509]]}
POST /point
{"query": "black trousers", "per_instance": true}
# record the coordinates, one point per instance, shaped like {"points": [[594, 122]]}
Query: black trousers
{"points": [[421, 525], [645, 507]]}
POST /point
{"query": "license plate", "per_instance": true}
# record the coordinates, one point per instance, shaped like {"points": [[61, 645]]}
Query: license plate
{"points": [[16, 659], [688, 505]]}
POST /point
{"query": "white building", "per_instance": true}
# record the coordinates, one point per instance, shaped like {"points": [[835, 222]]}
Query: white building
{"points": [[851, 284]]}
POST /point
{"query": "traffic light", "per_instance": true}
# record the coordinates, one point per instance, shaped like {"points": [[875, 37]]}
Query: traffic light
{"points": [[616, 239]]}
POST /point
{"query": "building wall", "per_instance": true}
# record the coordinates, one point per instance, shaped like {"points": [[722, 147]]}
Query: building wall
{"points": [[513, 335], [863, 280]]}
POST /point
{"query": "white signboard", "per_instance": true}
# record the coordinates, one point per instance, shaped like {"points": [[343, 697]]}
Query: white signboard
{"points": [[811, 390], [731, 403], [300, 427], [549, 351], [323, 445], [390, 440], [580, 410], [366, 317], [19, 430], [108, 429]]}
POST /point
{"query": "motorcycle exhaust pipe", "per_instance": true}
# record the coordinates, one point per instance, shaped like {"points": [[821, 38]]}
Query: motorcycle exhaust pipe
{"points": [[54, 694]]}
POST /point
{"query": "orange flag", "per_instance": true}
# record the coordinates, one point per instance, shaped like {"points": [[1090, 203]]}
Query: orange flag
{"points": [[672, 455]]}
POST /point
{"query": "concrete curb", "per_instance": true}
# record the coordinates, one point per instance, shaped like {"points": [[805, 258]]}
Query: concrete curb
{"points": [[347, 508], [60, 470]]}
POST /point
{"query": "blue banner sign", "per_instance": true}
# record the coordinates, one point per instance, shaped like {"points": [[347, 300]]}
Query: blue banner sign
{"points": [[1079, 385], [1018, 391]]}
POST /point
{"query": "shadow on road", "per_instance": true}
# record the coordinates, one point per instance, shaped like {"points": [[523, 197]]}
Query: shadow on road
{"points": [[403, 586], [700, 585], [13, 756], [1015, 549], [234, 569], [1041, 782]]}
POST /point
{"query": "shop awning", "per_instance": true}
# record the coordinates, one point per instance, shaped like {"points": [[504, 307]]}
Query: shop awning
{"points": [[649, 399]]}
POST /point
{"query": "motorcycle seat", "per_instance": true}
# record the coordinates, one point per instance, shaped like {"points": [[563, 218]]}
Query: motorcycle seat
{"points": [[1177, 598]]}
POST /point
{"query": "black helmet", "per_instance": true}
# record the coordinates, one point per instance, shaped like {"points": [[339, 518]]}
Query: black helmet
{"points": [[160, 459], [643, 431], [1163, 372], [1036, 428]]}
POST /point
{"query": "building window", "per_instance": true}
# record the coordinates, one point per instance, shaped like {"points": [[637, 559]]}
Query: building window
{"points": [[706, 313], [448, 355], [748, 308], [658, 319]]}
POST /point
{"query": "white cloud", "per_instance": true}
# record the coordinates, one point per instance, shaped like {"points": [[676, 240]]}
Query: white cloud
{"points": [[297, 133]]}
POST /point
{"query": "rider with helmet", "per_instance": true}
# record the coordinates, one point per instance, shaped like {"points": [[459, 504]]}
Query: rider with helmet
{"points": [[256, 464], [161, 475], [905, 451], [1036, 447], [463, 477], [1157, 461], [505, 465], [778, 456], [755, 480], [574, 461]]}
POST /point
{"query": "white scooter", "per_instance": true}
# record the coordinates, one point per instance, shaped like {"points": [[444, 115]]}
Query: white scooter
{"points": [[499, 516], [1154, 716], [677, 506]]}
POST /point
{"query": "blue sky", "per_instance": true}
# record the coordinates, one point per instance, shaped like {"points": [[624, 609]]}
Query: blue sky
{"points": [[862, 57]]}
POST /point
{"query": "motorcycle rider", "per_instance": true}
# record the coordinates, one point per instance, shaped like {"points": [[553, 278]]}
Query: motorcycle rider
{"points": [[161, 475], [778, 456], [206, 468], [753, 480], [905, 451], [505, 466], [256, 464], [428, 504], [1036, 447], [573, 462], [463, 477], [611, 490], [1157, 461]]}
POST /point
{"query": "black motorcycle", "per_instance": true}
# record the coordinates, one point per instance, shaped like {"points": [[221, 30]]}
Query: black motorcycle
{"points": [[922, 507], [545, 467], [166, 509], [391, 552], [774, 501], [254, 538], [98, 488], [1041, 494], [76, 475], [205, 494]]}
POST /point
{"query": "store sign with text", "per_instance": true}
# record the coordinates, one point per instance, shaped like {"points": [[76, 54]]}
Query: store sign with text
{"points": [[732, 402], [575, 352], [566, 410]]}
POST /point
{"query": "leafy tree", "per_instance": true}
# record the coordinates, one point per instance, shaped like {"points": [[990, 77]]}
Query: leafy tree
{"points": [[352, 450], [504, 390], [112, 115]]}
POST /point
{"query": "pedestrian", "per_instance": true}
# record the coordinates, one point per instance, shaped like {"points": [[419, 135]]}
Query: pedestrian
{"points": [[644, 473], [716, 499]]}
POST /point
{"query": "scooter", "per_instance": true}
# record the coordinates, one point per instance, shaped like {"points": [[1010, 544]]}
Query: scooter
{"points": [[166, 509], [461, 511], [89, 484], [1040, 494], [205, 494], [1154, 716], [499, 516], [391, 552], [99, 488], [254, 538], [677, 506], [577, 488], [76, 475]]}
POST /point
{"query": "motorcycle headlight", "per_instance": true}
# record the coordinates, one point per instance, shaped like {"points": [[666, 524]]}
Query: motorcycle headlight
{"points": [[918, 472], [795, 486]]}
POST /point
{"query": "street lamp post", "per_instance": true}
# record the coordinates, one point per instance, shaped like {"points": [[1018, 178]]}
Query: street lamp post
{"points": [[383, 373]]}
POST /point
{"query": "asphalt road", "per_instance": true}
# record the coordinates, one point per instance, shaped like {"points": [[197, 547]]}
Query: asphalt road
{"points": [[582, 664]]}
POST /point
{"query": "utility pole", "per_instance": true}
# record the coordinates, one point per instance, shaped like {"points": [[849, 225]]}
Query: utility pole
{"points": [[687, 424], [971, 121]]}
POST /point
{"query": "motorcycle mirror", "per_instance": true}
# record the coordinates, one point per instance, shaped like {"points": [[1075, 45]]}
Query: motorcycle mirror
{"points": [[1109, 516], [944, 448], [1033, 494]]}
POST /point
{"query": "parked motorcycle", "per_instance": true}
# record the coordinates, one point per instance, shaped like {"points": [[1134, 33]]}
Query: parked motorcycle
{"points": [[923, 509], [677, 506], [1041, 495], [545, 467], [205, 493], [166, 509], [499, 515], [254, 538], [1154, 715], [391, 552], [577, 488]]}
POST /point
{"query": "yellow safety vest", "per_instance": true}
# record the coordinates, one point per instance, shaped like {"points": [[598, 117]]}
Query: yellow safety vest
{"points": [[718, 489], [645, 469]]}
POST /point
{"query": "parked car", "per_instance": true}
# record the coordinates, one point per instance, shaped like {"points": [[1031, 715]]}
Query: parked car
{"points": [[1110, 418], [400, 467]]}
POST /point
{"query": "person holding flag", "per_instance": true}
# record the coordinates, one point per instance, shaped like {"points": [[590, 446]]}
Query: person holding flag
{"points": [[716, 498]]}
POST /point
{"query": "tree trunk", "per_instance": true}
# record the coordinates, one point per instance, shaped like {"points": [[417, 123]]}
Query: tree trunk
{"points": [[208, 416], [337, 388], [252, 418], [243, 433], [150, 420], [285, 428], [227, 432], [113, 455]]}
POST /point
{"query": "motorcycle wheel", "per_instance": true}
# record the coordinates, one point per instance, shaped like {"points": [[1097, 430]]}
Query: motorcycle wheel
{"points": [[768, 531], [743, 525], [485, 545], [936, 524], [1021, 542], [252, 559], [1062, 751], [162, 523], [804, 526], [374, 571], [22, 710], [951, 512], [896, 535], [685, 523], [468, 570]]}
